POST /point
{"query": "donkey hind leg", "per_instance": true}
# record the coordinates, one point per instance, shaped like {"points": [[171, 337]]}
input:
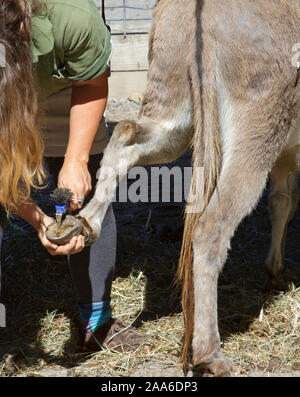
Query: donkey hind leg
{"points": [[251, 146], [283, 201], [145, 141], [235, 197]]}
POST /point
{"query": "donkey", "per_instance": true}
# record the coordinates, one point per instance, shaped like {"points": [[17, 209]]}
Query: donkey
{"points": [[221, 80]]}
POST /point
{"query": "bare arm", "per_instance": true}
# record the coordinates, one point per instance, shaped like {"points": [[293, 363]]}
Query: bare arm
{"points": [[88, 104]]}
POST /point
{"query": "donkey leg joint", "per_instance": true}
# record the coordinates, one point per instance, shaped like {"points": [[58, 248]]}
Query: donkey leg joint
{"points": [[125, 133]]}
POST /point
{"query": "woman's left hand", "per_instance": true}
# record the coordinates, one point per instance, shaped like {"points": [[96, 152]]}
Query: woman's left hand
{"points": [[75, 245], [74, 175], [40, 221]]}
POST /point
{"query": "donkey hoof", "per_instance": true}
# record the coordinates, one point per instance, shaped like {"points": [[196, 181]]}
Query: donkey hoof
{"points": [[70, 227], [216, 365], [87, 231]]}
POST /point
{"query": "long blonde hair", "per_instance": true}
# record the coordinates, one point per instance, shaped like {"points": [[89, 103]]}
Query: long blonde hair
{"points": [[21, 145]]}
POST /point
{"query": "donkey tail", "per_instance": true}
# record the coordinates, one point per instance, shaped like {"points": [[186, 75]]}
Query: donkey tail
{"points": [[206, 162]]}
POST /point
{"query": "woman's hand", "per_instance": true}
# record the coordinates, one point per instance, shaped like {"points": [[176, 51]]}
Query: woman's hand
{"points": [[40, 221], [75, 176], [75, 245]]}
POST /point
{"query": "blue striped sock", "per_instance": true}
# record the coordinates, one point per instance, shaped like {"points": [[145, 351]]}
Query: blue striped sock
{"points": [[95, 314]]}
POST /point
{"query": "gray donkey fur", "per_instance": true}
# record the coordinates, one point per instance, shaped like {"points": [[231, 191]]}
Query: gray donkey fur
{"points": [[221, 80]]}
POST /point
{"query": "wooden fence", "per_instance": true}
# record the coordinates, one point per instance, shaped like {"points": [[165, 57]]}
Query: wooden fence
{"points": [[130, 22]]}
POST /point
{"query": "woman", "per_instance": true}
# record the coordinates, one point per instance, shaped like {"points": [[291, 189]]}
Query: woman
{"points": [[57, 53]]}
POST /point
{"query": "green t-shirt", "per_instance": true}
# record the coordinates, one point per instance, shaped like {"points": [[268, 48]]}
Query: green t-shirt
{"points": [[70, 42]]}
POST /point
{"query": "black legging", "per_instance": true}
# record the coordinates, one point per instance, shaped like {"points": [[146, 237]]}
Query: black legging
{"points": [[93, 268]]}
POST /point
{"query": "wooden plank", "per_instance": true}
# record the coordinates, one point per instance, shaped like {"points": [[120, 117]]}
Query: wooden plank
{"points": [[130, 53], [123, 84]]}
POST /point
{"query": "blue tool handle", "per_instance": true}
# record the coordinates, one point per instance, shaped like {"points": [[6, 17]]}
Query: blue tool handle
{"points": [[61, 209]]}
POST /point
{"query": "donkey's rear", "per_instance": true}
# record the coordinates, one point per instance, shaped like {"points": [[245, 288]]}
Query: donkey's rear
{"points": [[221, 80]]}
